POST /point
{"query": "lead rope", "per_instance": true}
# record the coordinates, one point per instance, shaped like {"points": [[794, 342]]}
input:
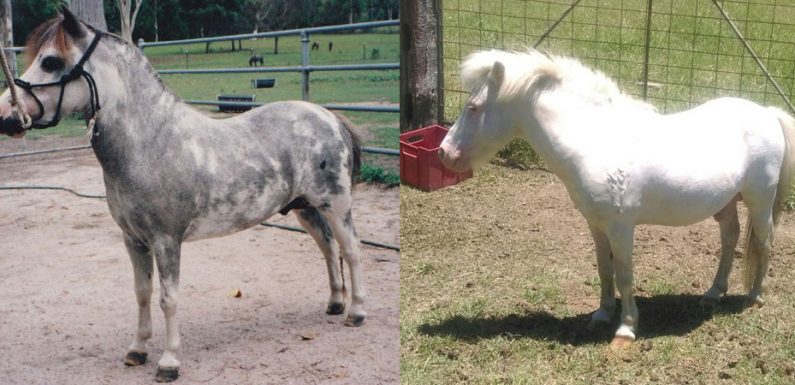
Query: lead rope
{"points": [[15, 109]]}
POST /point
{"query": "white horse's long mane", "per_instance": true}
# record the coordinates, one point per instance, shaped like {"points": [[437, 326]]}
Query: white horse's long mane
{"points": [[524, 71]]}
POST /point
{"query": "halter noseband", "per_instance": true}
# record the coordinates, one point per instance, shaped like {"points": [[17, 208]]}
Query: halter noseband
{"points": [[74, 74]]}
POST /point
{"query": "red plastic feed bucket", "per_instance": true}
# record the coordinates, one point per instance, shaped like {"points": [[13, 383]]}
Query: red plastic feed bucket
{"points": [[420, 166]]}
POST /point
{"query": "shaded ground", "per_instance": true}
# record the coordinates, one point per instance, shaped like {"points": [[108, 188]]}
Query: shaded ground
{"points": [[498, 280], [68, 313]]}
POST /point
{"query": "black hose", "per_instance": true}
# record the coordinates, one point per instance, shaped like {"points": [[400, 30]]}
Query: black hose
{"points": [[52, 188]]}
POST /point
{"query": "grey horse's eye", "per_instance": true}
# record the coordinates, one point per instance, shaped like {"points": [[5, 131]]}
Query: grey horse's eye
{"points": [[52, 64]]}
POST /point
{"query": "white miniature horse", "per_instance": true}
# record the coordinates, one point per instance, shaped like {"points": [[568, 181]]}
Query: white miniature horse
{"points": [[624, 165]]}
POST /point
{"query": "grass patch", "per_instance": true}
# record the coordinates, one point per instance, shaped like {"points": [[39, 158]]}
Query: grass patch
{"points": [[498, 280], [518, 154], [789, 205], [69, 127], [375, 174]]}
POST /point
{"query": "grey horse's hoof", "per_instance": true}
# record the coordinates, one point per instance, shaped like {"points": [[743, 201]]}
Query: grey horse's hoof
{"points": [[166, 374], [135, 359], [335, 308], [354, 321]]}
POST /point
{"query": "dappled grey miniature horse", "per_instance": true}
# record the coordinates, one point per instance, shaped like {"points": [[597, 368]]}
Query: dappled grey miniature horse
{"points": [[173, 174]]}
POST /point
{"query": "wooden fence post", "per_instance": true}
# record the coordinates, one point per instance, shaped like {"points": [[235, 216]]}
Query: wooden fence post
{"points": [[421, 98]]}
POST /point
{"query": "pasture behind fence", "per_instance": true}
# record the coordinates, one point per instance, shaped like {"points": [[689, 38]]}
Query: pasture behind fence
{"points": [[305, 68], [674, 53]]}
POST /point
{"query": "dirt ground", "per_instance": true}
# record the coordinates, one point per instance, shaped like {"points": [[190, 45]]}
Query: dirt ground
{"points": [[68, 312]]}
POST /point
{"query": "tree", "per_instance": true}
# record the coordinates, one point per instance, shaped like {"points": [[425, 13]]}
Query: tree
{"points": [[262, 13], [91, 12], [127, 19], [420, 71], [214, 17], [29, 14]]}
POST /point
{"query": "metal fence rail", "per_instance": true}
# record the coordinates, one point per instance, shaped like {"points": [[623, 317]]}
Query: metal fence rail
{"points": [[289, 32], [338, 107], [309, 68], [676, 54]]}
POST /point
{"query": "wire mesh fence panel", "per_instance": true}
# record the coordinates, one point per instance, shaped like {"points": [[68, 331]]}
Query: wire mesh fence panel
{"points": [[694, 54]]}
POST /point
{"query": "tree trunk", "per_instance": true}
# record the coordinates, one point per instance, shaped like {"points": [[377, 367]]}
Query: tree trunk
{"points": [[127, 19], [421, 100], [91, 12], [7, 35]]}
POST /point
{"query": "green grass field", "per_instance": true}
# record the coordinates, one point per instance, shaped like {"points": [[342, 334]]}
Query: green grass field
{"points": [[361, 87], [694, 55]]}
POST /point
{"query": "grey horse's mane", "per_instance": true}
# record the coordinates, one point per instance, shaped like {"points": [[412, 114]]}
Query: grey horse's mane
{"points": [[114, 39]]}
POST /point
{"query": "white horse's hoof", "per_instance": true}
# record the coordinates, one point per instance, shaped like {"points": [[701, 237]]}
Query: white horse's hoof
{"points": [[621, 342], [599, 318], [709, 303], [595, 324], [756, 303]]}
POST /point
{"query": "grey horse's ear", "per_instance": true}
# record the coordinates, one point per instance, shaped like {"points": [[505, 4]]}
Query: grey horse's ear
{"points": [[71, 24]]}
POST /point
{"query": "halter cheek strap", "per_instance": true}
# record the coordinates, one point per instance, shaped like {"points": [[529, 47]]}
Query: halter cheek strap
{"points": [[76, 72]]}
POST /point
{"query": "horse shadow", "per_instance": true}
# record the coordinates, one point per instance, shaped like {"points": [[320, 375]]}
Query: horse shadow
{"points": [[660, 315]]}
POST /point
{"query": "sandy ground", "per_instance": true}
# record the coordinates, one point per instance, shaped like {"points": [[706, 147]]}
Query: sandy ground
{"points": [[68, 313]]}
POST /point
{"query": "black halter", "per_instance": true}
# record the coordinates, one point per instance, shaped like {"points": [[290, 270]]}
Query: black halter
{"points": [[75, 73]]}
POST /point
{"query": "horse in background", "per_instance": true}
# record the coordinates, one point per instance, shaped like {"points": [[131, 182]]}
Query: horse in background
{"points": [[254, 59]]}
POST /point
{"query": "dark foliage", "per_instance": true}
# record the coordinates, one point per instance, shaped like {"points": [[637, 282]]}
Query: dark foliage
{"points": [[181, 19]]}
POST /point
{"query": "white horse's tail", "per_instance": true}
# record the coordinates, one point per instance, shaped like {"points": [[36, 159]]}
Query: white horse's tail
{"points": [[751, 255]]}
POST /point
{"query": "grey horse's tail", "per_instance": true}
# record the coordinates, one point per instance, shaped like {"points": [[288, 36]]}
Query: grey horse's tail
{"points": [[355, 142]]}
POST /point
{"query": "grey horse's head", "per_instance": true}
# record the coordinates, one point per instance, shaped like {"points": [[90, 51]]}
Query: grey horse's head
{"points": [[54, 84]]}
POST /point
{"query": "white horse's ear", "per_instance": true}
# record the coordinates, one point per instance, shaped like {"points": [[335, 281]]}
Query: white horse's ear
{"points": [[496, 75]]}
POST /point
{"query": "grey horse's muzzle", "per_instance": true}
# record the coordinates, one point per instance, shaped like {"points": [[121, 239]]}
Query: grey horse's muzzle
{"points": [[11, 126]]}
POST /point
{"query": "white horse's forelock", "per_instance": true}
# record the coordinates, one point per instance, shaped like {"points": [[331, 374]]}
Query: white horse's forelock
{"points": [[523, 70]]}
